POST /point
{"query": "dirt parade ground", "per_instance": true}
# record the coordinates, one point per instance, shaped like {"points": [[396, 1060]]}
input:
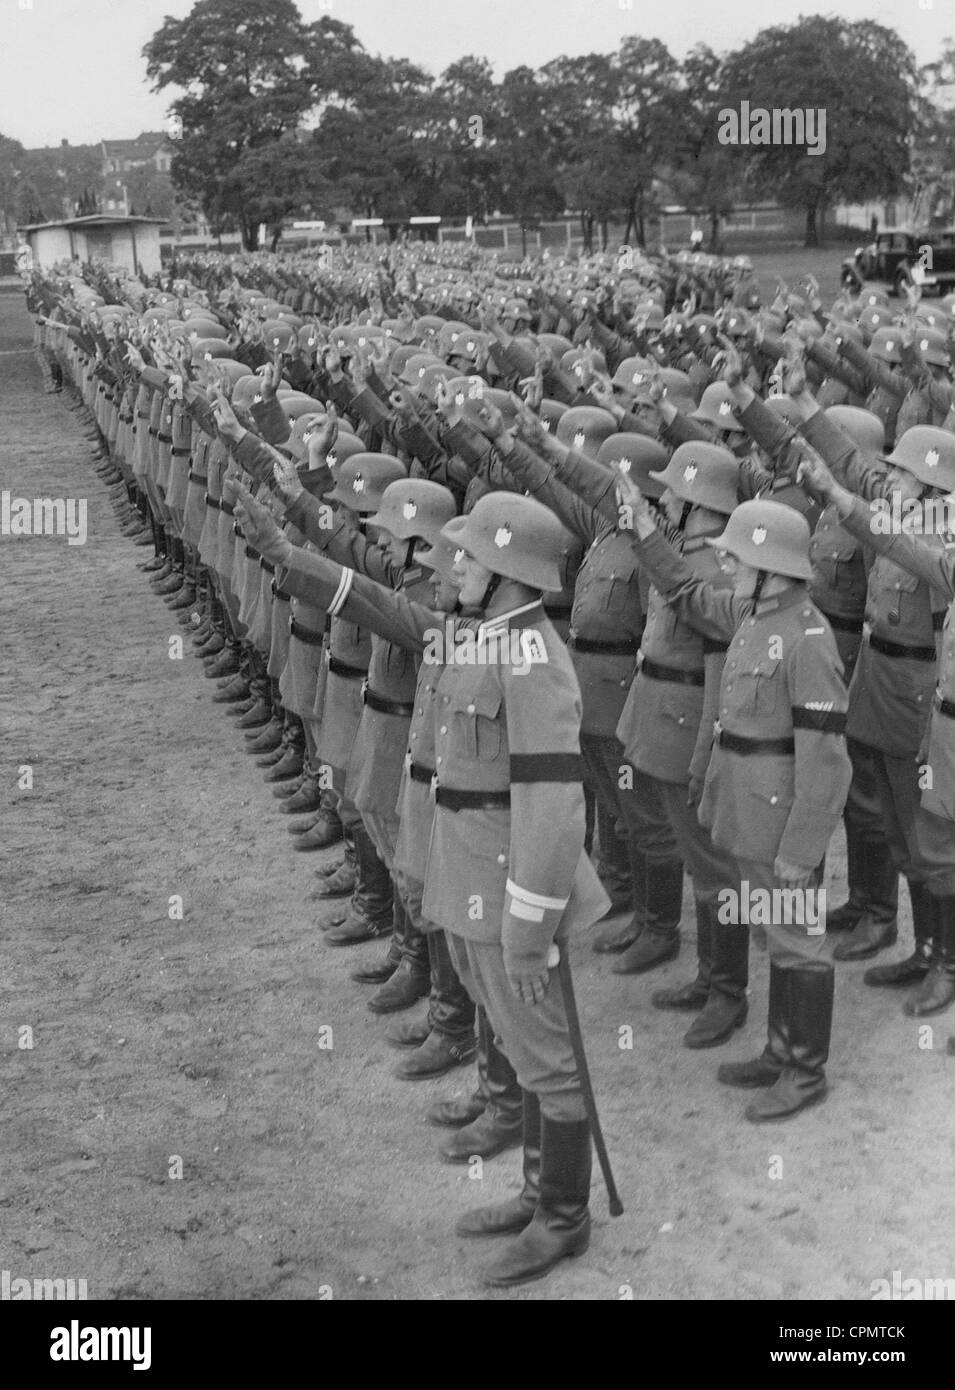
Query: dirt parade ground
{"points": [[205, 1107]]}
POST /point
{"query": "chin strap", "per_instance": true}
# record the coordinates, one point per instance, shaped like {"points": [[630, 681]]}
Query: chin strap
{"points": [[492, 588], [409, 552], [761, 577], [684, 518]]}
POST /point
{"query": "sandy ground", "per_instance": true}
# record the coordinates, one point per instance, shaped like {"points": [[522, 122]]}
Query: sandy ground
{"points": [[307, 1169]]}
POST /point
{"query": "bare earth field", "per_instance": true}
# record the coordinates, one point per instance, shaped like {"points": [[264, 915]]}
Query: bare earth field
{"points": [[306, 1169]]}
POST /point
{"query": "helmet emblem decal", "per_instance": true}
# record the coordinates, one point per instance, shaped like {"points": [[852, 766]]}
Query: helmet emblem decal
{"points": [[624, 465], [358, 483], [759, 535], [931, 458], [725, 408], [409, 510], [579, 438], [502, 536], [689, 472]]}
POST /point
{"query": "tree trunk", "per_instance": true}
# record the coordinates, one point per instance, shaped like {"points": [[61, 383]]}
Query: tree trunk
{"points": [[604, 234], [812, 233], [714, 230]]}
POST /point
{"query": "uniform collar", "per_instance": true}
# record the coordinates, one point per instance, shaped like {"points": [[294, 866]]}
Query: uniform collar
{"points": [[797, 593], [502, 620]]}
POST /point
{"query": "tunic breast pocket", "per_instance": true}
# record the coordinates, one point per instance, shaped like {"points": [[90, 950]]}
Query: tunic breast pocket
{"points": [[909, 602], [757, 688], [477, 727], [622, 593]]}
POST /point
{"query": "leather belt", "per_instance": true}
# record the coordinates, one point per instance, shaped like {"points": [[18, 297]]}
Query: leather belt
{"points": [[280, 593], [946, 707], [181, 453], [214, 503], [198, 479], [383, 706], [656, 672], [266, 565], [560, 611], [895, 649], [453, 800], [226, 507], [164, 438], [305, 634], [342, 668], [711, 646], [843, 624], [735, 743], [419, 773], [585, 645], [251, 553]]}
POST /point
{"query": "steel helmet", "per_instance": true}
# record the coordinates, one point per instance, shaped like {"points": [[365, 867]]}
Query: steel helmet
{"points": [[555, 343], [863, 427], [278, 336], [233, 371], [362, 479], [440, 556], [572, 359], [200, 326], [208, 348], [636, 455], [768, 536], [939, 317], [716, 407], [513, 536], [416, 365], [874, 317], [928, 454], [346, 446], [737, 323], [308, 336], [551, 412], [703, 474], [885, 345], [413, 507], [303, 427], [931, 344], [633, 374], [586, 427]]}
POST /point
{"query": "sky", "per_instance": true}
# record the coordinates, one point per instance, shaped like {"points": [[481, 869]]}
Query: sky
{"points": [[72, 69]]}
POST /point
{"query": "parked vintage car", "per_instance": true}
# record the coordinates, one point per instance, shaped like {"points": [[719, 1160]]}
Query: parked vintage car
{"points": [[899, 256]]}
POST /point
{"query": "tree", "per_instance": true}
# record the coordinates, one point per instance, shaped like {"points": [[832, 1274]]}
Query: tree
{"points": [[525, 149], [705, 175], [649, 110], [11, 166], [579, 99], [462, 155], [862, 77], [251, 72]]}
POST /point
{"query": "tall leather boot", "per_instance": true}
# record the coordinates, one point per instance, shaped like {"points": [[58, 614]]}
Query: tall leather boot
{"points": [[802, 1081], [378, 973], [910, 970], [449, 1027], [937, 990], [766, 1069], [498, 1127], [158, 562], [513, 1216], [175, 580], [260, 691], [560, 1226], [308, 797], [845, 917], [695, 993], [613, 862], [612, 939], [412, 979], [726, 1007], [340, 879], [877, 925], [326, 829], [660, 939], [461, 1110], [370, 911], [292, 760]]}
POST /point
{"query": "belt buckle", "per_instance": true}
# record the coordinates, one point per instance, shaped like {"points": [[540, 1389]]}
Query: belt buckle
{"points": [[408, 762], [433, 787], [364, 691], [291, 620], [717, 730]]}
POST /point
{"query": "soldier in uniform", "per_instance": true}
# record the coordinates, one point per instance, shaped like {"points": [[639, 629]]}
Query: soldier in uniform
{"points": [[506, 874], [778, 775], [932, 826]]}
